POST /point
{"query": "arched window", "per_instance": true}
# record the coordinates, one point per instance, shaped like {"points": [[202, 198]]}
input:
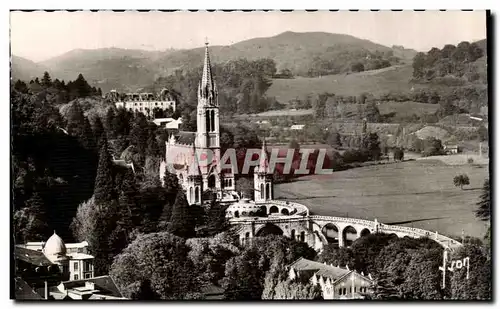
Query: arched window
{"points": [[293, 234], [236, 214], [207, 120], [302, 236], [212, 123], [197, 195], [262, 191], [190, 197], [345, 292], [340, 291], [267, 191]]}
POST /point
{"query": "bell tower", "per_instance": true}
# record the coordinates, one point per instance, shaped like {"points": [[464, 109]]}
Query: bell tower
{"points": [[208, 132], [263, 179]]}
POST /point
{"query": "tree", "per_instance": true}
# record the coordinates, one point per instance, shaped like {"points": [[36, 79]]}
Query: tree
{"points": [[372, 112], [30, 222], [384, 289], [479, 284], [76, 120], [422, 281], [46, 80], [357, 67], [242, 280], [83, 222], [110, 116], [294, 145], [297, 290], [334, 139], [399, 154], [372, 145], [181, 222], [156, 266], [98, 128], [80, 88], [461, 181], [432, 147], [483, 211], [104, 183], [87, 136]]}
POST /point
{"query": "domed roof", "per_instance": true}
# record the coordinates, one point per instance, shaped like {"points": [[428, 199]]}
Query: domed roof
{"points": [[55, 246]]}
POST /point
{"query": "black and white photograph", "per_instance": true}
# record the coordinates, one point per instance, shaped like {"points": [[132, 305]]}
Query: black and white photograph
{"points": [[250, 156]]}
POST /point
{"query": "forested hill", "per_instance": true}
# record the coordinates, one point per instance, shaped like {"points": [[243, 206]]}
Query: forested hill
{"points": [[306, 54], [24, 69]]}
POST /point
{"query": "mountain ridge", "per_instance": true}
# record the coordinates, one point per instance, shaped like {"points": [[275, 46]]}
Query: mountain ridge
{"points": [[129, 69]]}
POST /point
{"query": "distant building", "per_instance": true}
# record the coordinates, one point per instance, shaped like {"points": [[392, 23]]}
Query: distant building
{"points": [[451, 149], [72, 259], [145, 103], [335, 282], [168, 123], [98, 288], [57, 271], [297, 127]]}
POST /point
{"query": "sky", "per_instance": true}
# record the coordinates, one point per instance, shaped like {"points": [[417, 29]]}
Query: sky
{"points": [[42, 35]]}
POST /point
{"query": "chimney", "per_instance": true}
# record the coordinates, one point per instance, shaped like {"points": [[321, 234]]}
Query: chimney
{"points": [[347, 267], [370, 276], [90, 285]]}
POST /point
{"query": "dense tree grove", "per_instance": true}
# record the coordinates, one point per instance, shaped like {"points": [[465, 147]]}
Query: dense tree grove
{"points": [[406, 268], [48, 163], [450, 60], [242, 85]]}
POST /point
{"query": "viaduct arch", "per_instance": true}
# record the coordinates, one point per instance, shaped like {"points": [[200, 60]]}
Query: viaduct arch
{"points": [[319, 231]]}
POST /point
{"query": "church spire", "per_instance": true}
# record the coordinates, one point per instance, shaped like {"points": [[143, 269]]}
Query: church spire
{"points": [[207, 86], [263, 161]]}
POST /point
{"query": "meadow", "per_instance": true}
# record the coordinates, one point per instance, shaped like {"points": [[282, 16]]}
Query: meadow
{"points": [[413, 193], [407, 109], [396, 78]]}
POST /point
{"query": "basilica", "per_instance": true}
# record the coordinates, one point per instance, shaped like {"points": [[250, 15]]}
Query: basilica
{"points": [[184, 150]]}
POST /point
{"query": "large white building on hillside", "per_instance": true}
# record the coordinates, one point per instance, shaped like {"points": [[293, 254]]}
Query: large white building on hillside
{"points": [[145, 103]]}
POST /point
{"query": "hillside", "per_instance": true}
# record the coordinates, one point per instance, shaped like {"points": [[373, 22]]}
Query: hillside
{"points": [[131, 69], [396, 78], [24, 69]]}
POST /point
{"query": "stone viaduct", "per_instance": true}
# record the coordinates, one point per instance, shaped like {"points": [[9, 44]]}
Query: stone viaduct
{"points": [[318, 231]]}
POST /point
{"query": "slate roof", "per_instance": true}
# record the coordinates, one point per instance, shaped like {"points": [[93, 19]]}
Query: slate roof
{"points": [[24, 291], [31, 256], [320, 269], [186, 138], [105, 285]]}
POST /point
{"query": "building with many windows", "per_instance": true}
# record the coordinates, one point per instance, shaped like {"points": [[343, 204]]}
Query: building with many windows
{"points": [[149, 104], [335, 282], [72, 259]]}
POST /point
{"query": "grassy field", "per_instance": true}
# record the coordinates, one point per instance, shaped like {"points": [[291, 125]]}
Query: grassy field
{"points": [[375, 82], [407, 109], [418, 191]]}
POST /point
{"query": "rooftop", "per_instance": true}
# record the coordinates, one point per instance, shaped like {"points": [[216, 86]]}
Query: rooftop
{"points": [[24, 291], [186, 138], [80, 256], [320, 269], [31, 256], [104, 284]]}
